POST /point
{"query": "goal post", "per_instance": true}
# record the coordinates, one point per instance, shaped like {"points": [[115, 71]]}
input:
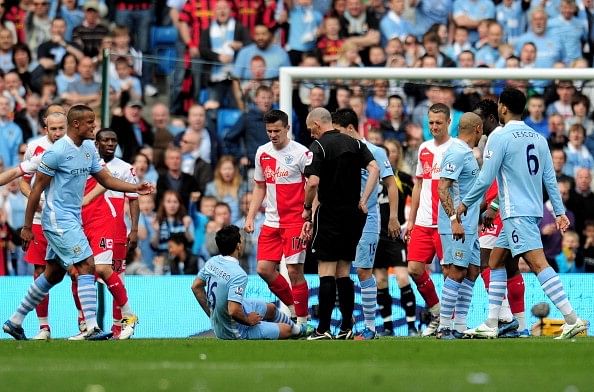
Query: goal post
{"points": [[288, 75]]}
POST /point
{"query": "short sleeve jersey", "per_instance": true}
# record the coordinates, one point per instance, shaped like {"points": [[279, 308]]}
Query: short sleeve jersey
{"points": [[428, 171], [337, 161], [225, 281], [460, 165], [372, 224], [34, 148], [125, 172], [69, 165], [282, 172]]}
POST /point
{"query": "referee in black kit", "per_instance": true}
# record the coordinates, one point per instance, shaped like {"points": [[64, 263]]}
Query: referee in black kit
{"points": [[335, 176]]}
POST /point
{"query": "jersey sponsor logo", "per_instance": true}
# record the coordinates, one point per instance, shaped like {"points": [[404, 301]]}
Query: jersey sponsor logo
{"points": [[69, 157], [81, 171], [428, 169], [278, 173], [450, 168]]}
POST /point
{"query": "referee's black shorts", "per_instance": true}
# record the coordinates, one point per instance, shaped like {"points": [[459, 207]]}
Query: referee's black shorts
{"points": [[337, 232], [391, 252]]}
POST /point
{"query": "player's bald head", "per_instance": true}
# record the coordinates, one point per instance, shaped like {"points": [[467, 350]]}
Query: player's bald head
{"points": [[468, 123], [321, 115]]}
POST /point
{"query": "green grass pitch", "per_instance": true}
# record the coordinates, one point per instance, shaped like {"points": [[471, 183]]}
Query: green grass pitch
{"points": [[397, 364]]}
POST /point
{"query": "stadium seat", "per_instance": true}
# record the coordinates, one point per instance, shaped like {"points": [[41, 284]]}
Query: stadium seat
{"points": [[163, 40], [226, 118]]}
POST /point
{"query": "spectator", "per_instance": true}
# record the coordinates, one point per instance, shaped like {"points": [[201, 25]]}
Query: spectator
{"points": [[201, 211], [28, 118], [551, 237], [208, 140], [557, 137], [578, 155], [38, 24], [162, 130], [10, 134], [581, 199], [14, 206], [123, 81], [570, 259], [361, 27], [219, 44], [72, 15], [459, 44], [90, 32], [56, 46], [146, 230], [141, 164], [305, 21], [226, 186], [393, 25], [67, 73], [171, 219], [378, 102], [180, 260], [536, 118], [431, 44], [565, 91], [427, 13], [559, 159], [393, 127], [221, 217], [569, 31], [511, 16], [250, 131], [330, 41], [469, 13], [548, 50], [133, 131], [85, 90], [7, 24], [16, 90], [151, 173], [489, 54], [174, 179], [377, 56], [192, 162], [21, 57], [245, 90], [120, 47], [580, 106], [263, 46], [6, 63]]}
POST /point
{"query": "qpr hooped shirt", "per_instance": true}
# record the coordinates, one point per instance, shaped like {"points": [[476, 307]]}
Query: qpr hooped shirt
{"points": [[125, 172], [282, 172], [428, 171], [34, 148]]}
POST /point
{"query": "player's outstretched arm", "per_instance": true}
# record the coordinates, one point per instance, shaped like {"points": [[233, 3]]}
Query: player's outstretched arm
{"points": [[10, 174], [97, 191], [41, 182], [370, 185], [236, 312], [108, 181], [257, 198], [393, 224], [198, 288]]}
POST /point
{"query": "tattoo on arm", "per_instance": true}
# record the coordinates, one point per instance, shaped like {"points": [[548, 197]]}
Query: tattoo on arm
{"points": [[445, 197]]}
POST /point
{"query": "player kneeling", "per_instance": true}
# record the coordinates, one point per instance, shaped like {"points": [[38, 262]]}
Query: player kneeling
{"points": [[219, 289]]}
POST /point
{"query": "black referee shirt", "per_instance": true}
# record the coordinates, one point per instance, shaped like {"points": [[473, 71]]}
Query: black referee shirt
{"points": [[337, 161]]}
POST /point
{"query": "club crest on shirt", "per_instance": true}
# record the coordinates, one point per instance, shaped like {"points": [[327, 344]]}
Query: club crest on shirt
{"points": [[458, 255], [488, 154], [87, 155], [76, 250], [288, 159]]}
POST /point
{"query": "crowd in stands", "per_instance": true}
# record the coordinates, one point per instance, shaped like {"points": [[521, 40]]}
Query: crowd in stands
{"points": [[197, 143]]}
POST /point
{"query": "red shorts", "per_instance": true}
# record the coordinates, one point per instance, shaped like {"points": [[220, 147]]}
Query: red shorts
{"points": [[424, 245], [274, 243], [37, 249], [120, 250], [102, 244]]}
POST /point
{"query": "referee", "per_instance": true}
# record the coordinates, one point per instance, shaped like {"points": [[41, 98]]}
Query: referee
{"points": [[335, 176]]}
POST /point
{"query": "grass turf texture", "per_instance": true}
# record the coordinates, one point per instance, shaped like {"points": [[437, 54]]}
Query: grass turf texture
{"points": [[539, 364]]}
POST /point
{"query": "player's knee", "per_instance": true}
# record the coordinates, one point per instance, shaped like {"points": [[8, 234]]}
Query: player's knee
{"points": [[265, 271], [363, 273], [416, 269], [103, 270], [295, 275], [270, 312]]}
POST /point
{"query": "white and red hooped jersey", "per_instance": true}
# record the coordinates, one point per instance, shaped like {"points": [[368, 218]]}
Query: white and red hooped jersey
{"points": [[428, 171], [282, 171], [34, 148], [497, 223], [108, 209], [125, 172]]}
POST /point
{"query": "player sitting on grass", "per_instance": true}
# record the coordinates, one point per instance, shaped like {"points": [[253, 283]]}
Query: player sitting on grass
{"points": [[219, 289]]}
